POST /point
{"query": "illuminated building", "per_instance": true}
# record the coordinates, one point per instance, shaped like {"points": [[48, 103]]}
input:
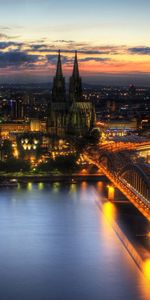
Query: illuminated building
{"points": [[60, 147], [17, 109], [119, 128], [29, 145], [37, 125], [72, 115], [6, 129], [10, 128]]}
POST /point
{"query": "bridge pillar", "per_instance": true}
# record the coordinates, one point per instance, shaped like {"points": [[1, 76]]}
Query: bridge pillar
{"points": [[111, 192]]}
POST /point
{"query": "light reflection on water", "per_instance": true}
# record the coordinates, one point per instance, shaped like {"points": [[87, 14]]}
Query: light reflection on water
{"points": [[55, 187], [29, 186], [57, 244], [40, 186]]}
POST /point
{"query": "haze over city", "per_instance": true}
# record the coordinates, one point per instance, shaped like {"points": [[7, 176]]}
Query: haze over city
{"points": [[112, 39]]}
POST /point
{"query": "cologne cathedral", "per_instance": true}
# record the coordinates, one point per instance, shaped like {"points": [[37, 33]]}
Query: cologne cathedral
{"points": [[69, 114]]}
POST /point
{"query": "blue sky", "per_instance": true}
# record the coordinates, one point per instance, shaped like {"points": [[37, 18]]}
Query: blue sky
{"points": [[82, 25], [112, 19]]}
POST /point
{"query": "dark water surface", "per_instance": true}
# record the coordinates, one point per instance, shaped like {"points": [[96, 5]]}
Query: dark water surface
{"points": [[56, 244]]}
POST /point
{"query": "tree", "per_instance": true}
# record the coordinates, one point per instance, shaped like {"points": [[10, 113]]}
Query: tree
{"points": [[66, 164], [46, 166], [95, 136], [7, 149], [16, 165], [2, 166]]}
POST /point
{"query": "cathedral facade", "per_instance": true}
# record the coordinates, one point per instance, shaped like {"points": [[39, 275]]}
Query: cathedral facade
{"points": [[69, 114]]}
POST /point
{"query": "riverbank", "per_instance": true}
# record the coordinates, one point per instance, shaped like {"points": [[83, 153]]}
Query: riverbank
{"points": [[67, 178]]}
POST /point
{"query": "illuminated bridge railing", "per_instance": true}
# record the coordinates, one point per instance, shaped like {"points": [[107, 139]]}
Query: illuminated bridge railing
{"points": [[146, 200], [140, 202]]}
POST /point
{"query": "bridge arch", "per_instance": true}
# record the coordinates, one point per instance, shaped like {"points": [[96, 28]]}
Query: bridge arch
{"points": [[136, 178], [107, 161]]}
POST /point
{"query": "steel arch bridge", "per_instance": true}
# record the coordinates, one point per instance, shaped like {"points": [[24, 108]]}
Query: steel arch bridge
{"points": [[127, 176]]}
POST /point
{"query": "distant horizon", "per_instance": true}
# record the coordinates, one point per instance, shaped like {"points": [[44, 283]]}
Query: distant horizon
{"points": [[118, 80]]}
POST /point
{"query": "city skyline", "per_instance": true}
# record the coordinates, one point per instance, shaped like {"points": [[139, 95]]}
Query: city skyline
{"points": [[112, 40]]}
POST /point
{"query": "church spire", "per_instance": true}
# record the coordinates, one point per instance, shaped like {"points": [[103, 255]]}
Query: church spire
{"points": [[59, 67], [58, 90], [75, 87], [76, 68]]}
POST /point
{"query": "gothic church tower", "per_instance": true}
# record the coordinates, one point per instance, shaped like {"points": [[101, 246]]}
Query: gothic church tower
{"points": [[58, 90], [75, 87]]}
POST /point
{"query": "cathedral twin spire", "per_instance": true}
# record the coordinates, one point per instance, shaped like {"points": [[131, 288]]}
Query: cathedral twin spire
{"points": [[75, 85]]}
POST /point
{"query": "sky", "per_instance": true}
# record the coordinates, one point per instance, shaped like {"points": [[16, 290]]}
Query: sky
{"points": [[112, 38]]}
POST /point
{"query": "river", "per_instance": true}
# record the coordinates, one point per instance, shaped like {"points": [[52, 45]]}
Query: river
{"points": [[57, 244]]}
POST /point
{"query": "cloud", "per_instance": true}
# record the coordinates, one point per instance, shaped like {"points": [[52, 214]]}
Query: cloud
{"points": [[64, 41], [37, 47], [17, 59], [66, 47], [52, 59], [3, 36], [94, 52], [41, 56], [5, 28], [69, 46], [140, 50], [4, 45], [96, 59], [46, 48]]}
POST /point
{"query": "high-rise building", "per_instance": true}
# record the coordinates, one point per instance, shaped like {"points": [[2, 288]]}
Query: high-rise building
{"points": [[69, 115], [16, 109]]}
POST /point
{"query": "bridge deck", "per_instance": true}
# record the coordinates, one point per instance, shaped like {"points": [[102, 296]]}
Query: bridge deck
{"points": [[137, 200]]}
